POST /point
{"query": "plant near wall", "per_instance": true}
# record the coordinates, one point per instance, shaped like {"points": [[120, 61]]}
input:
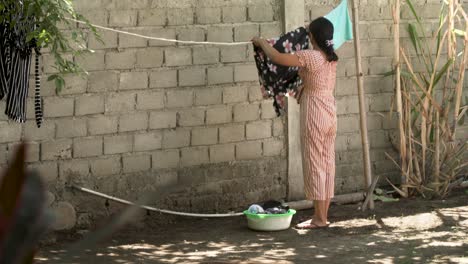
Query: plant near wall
{"points": [[53, 32], [431, 105]]}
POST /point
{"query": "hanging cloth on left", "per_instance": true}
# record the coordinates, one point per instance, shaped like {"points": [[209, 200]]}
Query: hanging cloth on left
{"points": [[15, 63]]}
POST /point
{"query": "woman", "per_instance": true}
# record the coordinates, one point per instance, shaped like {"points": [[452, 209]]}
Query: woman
{"points": [[318, 114]]}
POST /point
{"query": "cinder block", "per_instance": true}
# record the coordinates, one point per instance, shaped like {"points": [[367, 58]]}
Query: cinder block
{"points": [[73, 85], [374, 121], [120, 102], [166, 159], [152, 17], [4, 153], [259, 130], [219, 115], [272, 30], [255, 94], [103, 81], [58, 106], [176, 138], [234, 54], [57, 149], [89, 104], [268, 111], [178, 56], [109, 41], [73, 168], [191, 34], [70, 128], [273, 147], [380, 31], [106, 166], [192, 117], [245, 32], [261, 13], [245, 73], [192, 77], [159, 120], [179, 98], [234, 14], [347, 86], [249, 150], [231, 133], [128, 41], [133, 80], [379, 139], [341, 143], [204, 136], [377, 48], [123, 18], [148, 141], [133, 122], [380, 103], [347, 105], [194, 156], [149, 58], [205, 55], [182, 16], [118, 144], [167, 33], [235, 94], [10, 132], [87, 147], [220, 34], [220, 75], [348, 124], [150, 100], [136, 163], [163, 79], [246, 112], [100, 125], [222, 153], [120, 5], [97, 17], [47, 170], [32, 152], [278, 127], [124, 60], [91, 62], [208, 15], [209, 96], [380, 65]]}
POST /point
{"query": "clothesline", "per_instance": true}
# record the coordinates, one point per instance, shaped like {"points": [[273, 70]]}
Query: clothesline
{"points": [[163, 39]]}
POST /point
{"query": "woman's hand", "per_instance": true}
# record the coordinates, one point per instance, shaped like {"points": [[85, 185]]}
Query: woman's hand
{"points": [[257, 41]]}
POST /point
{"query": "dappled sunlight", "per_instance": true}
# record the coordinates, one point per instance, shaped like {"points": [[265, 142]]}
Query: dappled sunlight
{"points": [[423, 221]]}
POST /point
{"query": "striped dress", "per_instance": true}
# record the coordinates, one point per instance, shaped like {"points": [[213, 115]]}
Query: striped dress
{"points": [[318, 124]]}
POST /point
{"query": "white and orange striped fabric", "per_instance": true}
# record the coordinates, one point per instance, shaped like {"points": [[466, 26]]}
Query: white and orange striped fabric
{"points": [[318, 124]]}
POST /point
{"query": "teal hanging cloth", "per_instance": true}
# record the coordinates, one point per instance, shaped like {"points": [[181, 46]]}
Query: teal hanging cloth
{"points": [[343, 27]]}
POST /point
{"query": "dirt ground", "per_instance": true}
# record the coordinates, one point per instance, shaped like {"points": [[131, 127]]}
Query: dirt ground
{"points": [[409, 231]]}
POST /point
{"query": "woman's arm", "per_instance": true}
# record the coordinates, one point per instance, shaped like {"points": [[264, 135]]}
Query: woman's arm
{"points": [[284, 59]]}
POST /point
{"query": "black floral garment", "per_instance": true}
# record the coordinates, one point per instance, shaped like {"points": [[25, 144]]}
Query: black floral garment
{"points": [[279, 81]]}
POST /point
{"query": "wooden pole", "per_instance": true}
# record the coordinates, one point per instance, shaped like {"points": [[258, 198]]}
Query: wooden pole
{"points": [[362, 102]]}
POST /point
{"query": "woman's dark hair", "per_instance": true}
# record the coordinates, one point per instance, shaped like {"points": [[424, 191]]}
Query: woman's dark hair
{"points": [[322, 31]]}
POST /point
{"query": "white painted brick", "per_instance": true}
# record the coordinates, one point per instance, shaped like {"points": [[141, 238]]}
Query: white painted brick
{"points": [[148, 141], [259, 130], [205, 55], [120, 102], [245, 32], [124, 60], [31, 131], [246, 112], [209, 96], [166, 159], [103, 81], [234, 14], [176, 138], [231, 133], [220, 34], [70, 128], [192, 117], [57, 149], [87, 147], [136, 163], [89, 104], [133, 80], [152, 17], [208, 15], [58, 106], [102, 125], [150, 100], [235, 94], [249, 150], [133, 122], [220, 75], [194, 156], [245, 73], [123, 18], [182, 16], [179, 98], [11, 132], [159, 120], [163, 79], [149, 58], [178, 56], [219, 115], [273, 147], [192, 77], [118, 144], [261, 13], [106, 166], [204, 136], [222, 153]]}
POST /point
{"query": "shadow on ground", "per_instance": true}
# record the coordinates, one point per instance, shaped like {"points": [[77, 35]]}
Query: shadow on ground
{"points": [[410, 231]]}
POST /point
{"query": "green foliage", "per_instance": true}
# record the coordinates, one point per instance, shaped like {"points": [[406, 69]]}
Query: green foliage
{"points": [[54, 32]]}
